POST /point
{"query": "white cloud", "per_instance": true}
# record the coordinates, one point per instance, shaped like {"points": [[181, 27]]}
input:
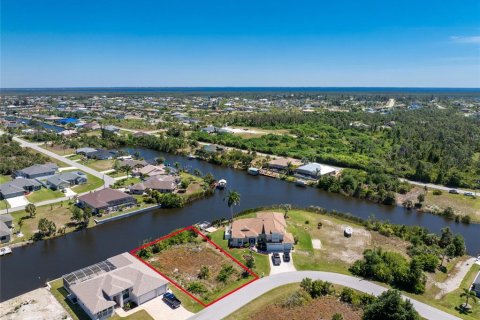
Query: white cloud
{"points": [[461, 39]]}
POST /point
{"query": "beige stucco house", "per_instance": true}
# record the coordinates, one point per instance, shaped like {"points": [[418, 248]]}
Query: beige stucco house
{"points": [[267, 230]]}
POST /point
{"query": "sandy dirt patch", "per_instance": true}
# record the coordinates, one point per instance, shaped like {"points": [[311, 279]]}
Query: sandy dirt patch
{"points": [[38, 304], [349, 249], [454, 278], [316, 244]]}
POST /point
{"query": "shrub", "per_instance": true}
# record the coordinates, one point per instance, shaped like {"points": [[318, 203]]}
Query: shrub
{"points": [[296, 299], [196, 287], [437, 192], [466, 219], [204, 273], [347, 295], [225, 273]]}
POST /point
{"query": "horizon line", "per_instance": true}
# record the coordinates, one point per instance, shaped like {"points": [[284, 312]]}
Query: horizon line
{"points": [[236, 87]]}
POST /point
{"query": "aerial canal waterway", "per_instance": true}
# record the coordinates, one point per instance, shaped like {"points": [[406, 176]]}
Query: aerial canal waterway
{"points": [[30, 266], [42, 124]]}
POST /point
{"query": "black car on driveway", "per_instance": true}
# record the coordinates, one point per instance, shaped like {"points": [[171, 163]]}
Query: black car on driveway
{"points": [[171, 300], [286, 256], [276, 259]]}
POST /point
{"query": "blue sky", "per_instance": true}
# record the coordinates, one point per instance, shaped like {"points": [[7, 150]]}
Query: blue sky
{"points": [[240, 43]]}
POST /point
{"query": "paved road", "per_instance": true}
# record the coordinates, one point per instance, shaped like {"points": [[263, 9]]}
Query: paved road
{"points": [[229, 304], [108, 180], [434, 186]]}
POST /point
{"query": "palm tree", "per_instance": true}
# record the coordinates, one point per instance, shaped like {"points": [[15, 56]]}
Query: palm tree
{"points": [[232, 199], [289, 168], [31, 210], [127, 169], [468, 294]]}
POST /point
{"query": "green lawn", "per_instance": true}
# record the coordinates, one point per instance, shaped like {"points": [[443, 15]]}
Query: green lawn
{"points": [[99, 165], [262, 265], [75, 157], [92, 184], [44, 194], [127, 181], [76, 311], [5, 178], [187, 302], [4, 204]]}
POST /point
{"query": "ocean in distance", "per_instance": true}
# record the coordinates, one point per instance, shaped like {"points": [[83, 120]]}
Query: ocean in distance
{"points": [[224, 90]]}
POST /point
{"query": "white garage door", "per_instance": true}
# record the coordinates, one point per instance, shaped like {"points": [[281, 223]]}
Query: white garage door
{"points": [[147, 296]]}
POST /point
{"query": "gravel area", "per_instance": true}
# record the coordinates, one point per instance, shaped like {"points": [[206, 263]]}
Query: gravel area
{"points": [[38, 304]]}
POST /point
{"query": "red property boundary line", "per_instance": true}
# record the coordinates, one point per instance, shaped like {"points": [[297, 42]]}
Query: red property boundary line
{"points": [[134, 253]]}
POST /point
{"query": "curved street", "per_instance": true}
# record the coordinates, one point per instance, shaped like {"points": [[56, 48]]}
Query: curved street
{"points": [[238, 299]]}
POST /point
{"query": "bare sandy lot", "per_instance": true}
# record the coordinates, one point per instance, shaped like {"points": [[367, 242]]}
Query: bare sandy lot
{"points": [[38, 304]]}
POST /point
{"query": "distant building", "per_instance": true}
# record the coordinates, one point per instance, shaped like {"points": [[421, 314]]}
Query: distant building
{"points": [[85, 150], [112, 129], [6, 225], [109, 200], [315, 170], [281, 164], [66, 180], [67, 121], [18, 187], [110, 284], [211, 148], [210, 129], [149, 170], [37, 171], [133, 163], [102, 154], [162, 184]]}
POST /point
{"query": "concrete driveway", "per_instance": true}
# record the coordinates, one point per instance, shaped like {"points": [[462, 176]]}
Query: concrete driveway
{"points": [[69, 192], [19, 201], [158, 310], [283, 267]]}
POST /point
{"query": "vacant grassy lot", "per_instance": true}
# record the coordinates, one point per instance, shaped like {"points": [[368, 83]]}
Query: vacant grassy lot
{"points": [[269, 307], [337, 252], [262, 265], [76, 312], [44, 194], [58, 149], [460, 204], [199, 267], [59, 213], [99, 165], [59, 163]]}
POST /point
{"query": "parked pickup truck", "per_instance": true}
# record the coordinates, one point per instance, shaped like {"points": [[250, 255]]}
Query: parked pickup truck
{"points": [[171, 300]]}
